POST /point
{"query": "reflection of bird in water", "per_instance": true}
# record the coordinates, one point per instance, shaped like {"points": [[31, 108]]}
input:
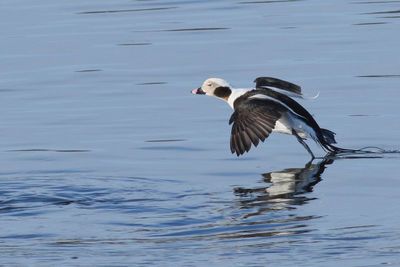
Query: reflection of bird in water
{"points": [[285, 189]]}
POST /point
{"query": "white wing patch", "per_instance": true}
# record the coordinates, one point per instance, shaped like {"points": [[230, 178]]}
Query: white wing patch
{"points": [[291, 94]]}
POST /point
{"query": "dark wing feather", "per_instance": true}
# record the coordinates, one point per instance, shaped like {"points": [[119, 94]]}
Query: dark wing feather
{"points": [[264, 82], [253, 120]]}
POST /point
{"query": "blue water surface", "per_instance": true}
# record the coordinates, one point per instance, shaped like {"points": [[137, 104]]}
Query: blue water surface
{"points": [[108, 160]]}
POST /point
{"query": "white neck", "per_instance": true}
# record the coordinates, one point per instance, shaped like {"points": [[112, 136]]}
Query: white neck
{"points": [[235, 94]]}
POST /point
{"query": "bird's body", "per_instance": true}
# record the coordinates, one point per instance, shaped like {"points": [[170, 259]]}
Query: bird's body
{"points": [[284, 124], [262, 110]]}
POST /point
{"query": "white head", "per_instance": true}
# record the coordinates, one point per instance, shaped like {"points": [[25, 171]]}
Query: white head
{"points": [[214, 87]]}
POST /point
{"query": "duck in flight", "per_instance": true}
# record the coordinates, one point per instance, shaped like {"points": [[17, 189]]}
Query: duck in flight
{"points": [[267, 108]]}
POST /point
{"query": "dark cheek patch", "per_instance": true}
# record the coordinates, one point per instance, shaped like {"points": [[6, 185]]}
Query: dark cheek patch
{"points": [[222, 92]]}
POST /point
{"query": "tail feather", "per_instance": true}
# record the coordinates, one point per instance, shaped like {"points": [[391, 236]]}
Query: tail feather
{"points": [[328, 139], [328, 136]]}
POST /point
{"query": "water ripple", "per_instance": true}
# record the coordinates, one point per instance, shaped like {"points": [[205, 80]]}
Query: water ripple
{"points": [[125, 10]]}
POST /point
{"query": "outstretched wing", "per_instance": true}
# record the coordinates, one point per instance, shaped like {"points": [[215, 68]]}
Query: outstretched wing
{"points": [[253, 120], [266, 82]]}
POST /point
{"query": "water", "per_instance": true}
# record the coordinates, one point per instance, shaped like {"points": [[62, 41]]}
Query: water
{"points": [[108, 160]]}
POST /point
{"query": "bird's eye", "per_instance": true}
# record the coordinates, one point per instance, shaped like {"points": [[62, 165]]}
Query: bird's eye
{"points": [[209, 84]]}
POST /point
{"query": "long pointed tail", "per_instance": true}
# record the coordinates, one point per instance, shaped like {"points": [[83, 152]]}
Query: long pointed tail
{"points": [[328, 139]]}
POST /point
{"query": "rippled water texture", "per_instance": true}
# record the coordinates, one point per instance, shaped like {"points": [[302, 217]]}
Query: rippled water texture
{"points": [[108, 160]]}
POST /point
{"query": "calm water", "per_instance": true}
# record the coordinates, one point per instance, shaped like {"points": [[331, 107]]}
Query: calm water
{"points": [[108, 160]]}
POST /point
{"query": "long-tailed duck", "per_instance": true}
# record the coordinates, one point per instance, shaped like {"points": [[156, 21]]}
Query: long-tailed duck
{"points": [[261, 110]]}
